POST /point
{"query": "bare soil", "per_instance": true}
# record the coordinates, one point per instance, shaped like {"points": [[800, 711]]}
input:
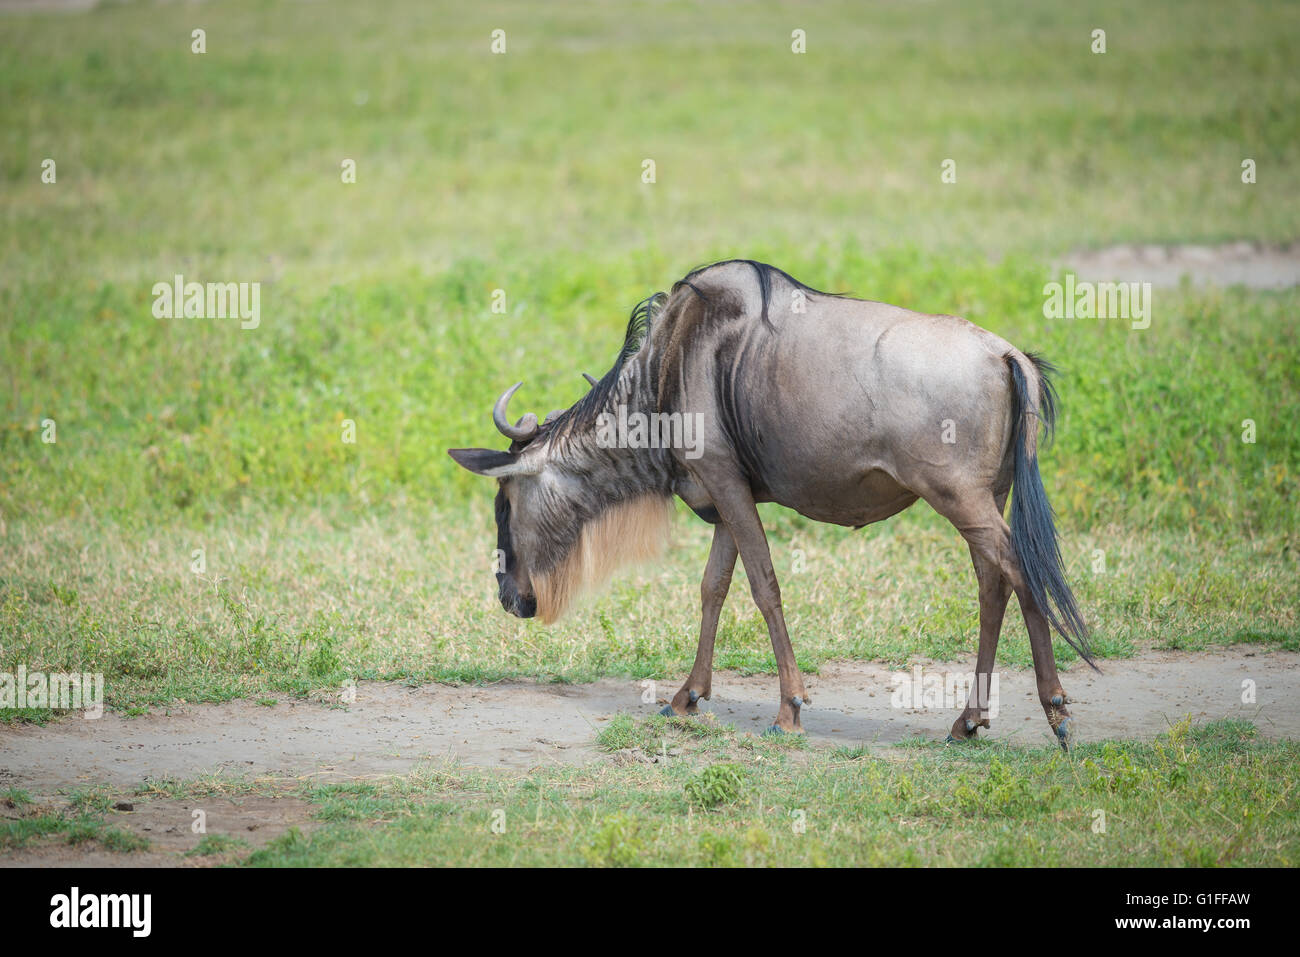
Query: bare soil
{"points": [[168, 825], [1248, 264], [392, 727]]}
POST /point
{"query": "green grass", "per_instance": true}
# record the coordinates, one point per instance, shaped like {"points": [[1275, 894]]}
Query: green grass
{"points": [[1215, 794], [216, 844], [716, 785], [375, 597], [229, 161], [26, 821], [91, 800], [67, 827], [16, 798], [1208, 796], [324, 561]]}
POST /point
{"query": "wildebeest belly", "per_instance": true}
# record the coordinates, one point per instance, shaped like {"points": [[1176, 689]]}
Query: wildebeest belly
{"points": [[853, 500]]}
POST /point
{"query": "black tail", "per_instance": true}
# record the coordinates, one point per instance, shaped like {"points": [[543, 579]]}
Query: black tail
{"points": [[1033, 534]]}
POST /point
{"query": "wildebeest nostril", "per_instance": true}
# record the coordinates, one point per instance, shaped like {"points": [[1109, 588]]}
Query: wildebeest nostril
{"points": [[518, 605]]}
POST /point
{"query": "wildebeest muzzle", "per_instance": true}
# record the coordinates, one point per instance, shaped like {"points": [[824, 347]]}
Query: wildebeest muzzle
{"points": [[521, 606]]}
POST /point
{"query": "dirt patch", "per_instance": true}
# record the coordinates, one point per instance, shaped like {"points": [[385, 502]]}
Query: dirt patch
{"points": [[168, 825], [70, 855], [252, 819], [391, 727], [1243, 263]]}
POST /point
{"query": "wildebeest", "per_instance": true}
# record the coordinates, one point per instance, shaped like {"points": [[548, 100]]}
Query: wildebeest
{"points": [[845, 410]]}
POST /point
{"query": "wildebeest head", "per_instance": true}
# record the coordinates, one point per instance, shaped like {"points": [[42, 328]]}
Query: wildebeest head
{"points": [[560, 529], [512, 469]]}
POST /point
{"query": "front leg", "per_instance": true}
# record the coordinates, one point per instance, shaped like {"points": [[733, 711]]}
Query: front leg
{"points": [[735, 504], [713, 592]]}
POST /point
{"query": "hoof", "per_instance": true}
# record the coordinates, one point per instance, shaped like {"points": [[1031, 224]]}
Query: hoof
{"points": [[667, 711], [951, 740], [1064, 732], [776, 731], [967, 729]]}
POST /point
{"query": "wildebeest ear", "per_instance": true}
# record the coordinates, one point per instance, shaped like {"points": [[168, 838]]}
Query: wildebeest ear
{"points": [[488, 462]]}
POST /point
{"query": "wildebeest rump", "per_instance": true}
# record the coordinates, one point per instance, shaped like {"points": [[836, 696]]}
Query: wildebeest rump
{"points": [[845, 410]]}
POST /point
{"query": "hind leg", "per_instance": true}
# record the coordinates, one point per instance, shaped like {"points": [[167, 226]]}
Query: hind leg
{"points": [[1050, 693], [979, 519]]}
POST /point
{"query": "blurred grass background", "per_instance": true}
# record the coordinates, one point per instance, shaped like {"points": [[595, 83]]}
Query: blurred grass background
{"points": [[522, 172]]}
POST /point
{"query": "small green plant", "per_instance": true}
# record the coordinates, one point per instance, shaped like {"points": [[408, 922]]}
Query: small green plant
{"points": [[324, 660], [65, 595], [1174, 760], [82, 830], [757, 845], [211, 844], [17, 833], [288, 848], [1113, 771], [1002, 790], [718, 850], [90, 800], [904, 789], [289, 842], [619, 734], [716, 785], [851, 752], [122, 841], [616, 844], [1231, 733]]}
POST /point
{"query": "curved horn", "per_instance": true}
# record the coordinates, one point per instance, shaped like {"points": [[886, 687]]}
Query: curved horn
{"points": [[589, 380], [524, 429]]}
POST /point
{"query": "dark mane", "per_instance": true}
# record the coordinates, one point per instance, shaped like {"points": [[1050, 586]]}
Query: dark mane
{"points": [[638, 326], [584, 411]]}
